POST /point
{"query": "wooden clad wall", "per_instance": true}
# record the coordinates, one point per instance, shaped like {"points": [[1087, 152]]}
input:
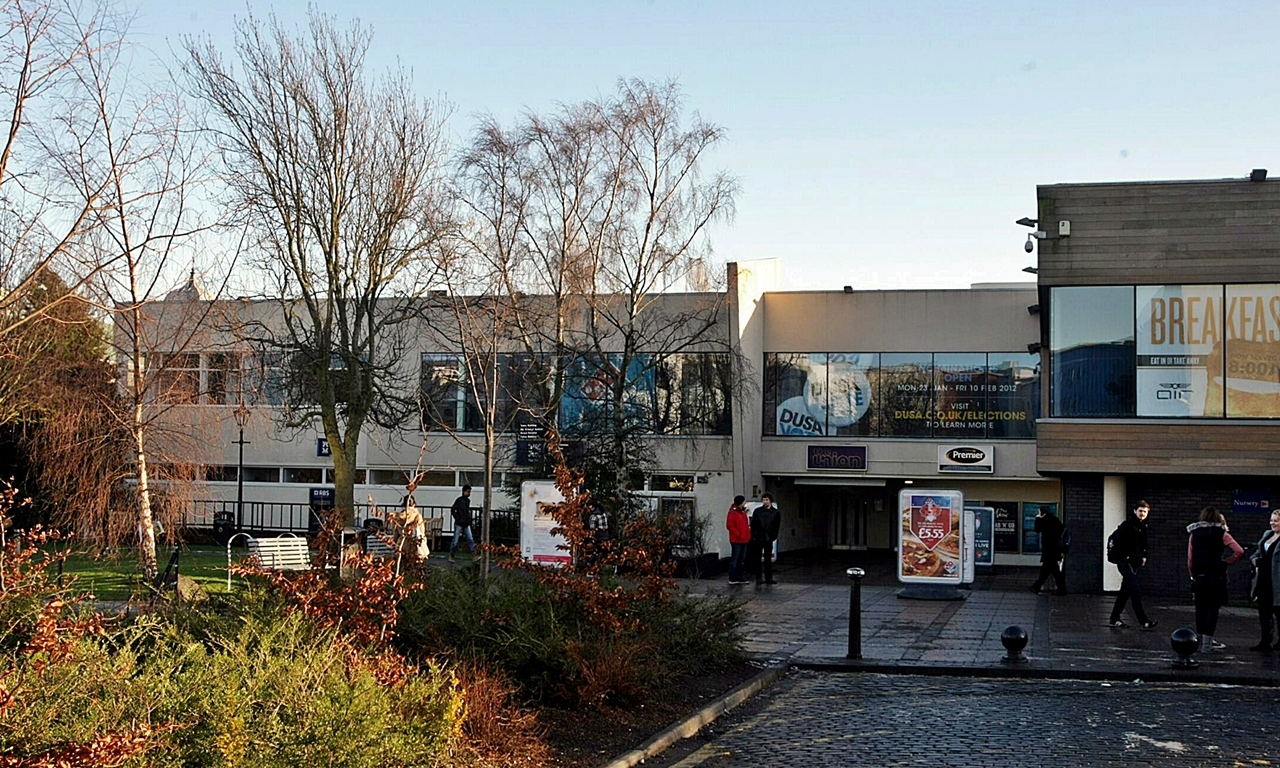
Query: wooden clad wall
{"points": [[1157, 447], [1161, 233]]}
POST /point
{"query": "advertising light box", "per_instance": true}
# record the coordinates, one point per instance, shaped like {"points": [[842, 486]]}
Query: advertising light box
{"points": [[929, 537]]}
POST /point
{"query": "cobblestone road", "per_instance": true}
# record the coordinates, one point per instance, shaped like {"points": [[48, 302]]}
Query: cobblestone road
{"points": [[815, 719]]}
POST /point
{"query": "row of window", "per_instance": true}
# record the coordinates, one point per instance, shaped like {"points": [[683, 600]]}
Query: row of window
{"points": [[669, 394], [1169, 351], [400, 478], [912, 394]]}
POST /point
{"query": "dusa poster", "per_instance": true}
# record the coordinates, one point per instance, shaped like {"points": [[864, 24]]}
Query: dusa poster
{"points": [[929, 537]]}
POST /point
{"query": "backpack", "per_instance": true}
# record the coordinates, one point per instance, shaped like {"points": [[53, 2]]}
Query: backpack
{"points": [[1115, 549]]}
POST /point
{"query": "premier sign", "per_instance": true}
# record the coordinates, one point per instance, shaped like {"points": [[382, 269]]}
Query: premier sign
{"points": [[960, 459]]}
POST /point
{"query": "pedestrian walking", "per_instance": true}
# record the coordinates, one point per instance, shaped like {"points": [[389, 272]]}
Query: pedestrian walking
{"points": [[1127, 549], [1053, 550], [461, 513], [1266, 579], [1210, 549], [765, 523], [739, 537]]}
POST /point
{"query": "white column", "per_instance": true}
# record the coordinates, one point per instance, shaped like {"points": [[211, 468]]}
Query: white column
{"points": [[1114, 509]]}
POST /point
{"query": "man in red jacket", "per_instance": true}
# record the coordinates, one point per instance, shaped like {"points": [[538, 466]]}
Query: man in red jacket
{"points": [[739, 538]]}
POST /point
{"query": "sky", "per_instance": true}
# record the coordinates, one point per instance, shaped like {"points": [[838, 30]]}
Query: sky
{"points": [[876, 144]]}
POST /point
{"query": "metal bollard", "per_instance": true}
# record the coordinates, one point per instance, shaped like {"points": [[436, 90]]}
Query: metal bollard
{"points": [[1185, 642], [855, 612]]}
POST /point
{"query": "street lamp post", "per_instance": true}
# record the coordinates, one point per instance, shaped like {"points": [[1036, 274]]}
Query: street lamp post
{"points": [[241, 414]]}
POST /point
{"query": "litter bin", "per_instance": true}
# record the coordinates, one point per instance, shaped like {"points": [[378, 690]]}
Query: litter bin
{"points": [[224, 525]]}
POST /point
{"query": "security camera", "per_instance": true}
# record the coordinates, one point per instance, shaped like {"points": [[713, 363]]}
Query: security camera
{"points": [[1028, 247]]}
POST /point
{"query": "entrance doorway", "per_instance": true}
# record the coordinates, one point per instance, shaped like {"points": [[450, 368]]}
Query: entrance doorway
{"points": [[852, 514]]}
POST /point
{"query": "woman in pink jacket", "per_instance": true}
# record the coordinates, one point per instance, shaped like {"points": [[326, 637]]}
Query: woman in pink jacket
{"points": [[739, 537]]}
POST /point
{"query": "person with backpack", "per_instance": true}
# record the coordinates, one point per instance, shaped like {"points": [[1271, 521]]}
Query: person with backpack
{"points": [[1127, 550], [1207, 559], [1054, 542]]}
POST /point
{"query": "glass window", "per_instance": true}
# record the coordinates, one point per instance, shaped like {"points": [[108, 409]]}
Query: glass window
{"points": [[850, 393], [264, 379], [436, 479], [1091, 340], [906, 394], [671, 483], [692, 394], [220, 474], [313, 475], [796, 395], [388, 477], [591, 387], [1013, 394], [1179, 350], [222, 378], [1252, 330], [448, 404], [178, 379], [361, 476], [262, 474], [960, 395]]}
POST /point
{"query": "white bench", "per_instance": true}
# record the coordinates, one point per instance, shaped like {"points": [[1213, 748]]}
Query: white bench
{"points": [[287, 553], [378, 545]]}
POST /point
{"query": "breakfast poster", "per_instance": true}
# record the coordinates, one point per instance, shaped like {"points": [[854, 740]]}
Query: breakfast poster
{"points": [[929, 537]]}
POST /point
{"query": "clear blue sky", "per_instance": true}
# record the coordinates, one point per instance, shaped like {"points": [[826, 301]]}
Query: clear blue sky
{"points": [[878, 144]]}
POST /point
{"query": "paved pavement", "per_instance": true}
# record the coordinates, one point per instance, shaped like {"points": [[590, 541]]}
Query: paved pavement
{"points": [[811, 719], [805, 619]]}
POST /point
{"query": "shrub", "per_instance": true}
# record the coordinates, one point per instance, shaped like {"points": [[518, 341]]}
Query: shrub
{"points": [[552, 650]]}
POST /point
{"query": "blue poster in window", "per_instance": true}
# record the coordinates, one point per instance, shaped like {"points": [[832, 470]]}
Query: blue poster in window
{"points": [[1030, 537]]}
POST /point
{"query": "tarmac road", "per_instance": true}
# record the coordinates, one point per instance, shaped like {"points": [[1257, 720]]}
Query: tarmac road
{"points": [[811, 719]]}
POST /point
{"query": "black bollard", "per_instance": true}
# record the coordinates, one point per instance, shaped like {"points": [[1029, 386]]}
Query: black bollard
{"points": [[1014, 639], [855, 612], [1185, 642]]}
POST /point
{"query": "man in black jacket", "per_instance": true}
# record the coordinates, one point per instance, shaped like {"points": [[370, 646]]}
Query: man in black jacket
{"points": [[1052, 551], [461, 512], [765, 522], [1131, 540]]}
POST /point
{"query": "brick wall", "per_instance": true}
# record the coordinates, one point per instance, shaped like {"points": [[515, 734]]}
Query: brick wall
{"points": [[1082, 512]]}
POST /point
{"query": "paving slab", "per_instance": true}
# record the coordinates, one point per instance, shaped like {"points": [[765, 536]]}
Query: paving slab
{"points": [[804, 620]]}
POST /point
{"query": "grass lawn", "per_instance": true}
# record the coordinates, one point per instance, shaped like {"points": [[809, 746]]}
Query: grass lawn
{"points": [[116, 578]]}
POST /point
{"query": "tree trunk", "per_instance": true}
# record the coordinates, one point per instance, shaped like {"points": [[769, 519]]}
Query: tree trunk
{"points": [[146, 521], [486, 513], [344, 478]]}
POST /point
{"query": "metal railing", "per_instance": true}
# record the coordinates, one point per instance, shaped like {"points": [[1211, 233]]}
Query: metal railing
{"points": [[297, 517]]}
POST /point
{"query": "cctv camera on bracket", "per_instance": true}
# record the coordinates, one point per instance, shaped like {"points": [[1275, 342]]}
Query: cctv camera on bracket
{"points": [[1028, 247]]}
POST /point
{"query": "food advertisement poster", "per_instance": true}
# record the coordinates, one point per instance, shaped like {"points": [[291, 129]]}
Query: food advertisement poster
{"points": [[1252, 329], [1179, 345], [538, 544], [929, 537]]}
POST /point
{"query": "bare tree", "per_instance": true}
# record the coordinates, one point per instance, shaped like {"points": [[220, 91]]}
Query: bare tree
{"points": [[593, 223], [52, 171], [337, 175], [481, 316], [650, 240], [146, 218]]}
